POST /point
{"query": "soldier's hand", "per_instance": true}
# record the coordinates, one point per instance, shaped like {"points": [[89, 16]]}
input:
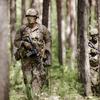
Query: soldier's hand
{"points": [[47, 59], [47, 62], [27, 45]]}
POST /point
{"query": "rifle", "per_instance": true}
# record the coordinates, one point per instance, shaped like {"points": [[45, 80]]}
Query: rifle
{"points": [[33, 52]]}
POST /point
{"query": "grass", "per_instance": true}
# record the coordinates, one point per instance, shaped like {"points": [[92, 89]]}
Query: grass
{"points": [[62, 82]]}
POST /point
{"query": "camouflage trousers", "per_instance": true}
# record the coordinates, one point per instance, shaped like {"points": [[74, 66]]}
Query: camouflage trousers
{"points": [[34, 77]]}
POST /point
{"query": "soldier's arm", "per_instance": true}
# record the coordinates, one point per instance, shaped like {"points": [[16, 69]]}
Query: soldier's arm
{"points": [[47, 39], [17, 40]]}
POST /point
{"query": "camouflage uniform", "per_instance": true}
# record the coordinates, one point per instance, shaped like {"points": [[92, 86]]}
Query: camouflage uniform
{"points": [[33, 69]]}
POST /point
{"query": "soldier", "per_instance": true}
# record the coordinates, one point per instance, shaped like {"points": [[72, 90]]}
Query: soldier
{"points": [[33, 41]]}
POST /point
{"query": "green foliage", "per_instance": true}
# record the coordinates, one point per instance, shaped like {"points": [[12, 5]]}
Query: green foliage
{"points": [[17, 88], [64, 81]]}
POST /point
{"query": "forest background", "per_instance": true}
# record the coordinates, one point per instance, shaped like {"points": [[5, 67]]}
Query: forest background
{"points": [[74, 26]]}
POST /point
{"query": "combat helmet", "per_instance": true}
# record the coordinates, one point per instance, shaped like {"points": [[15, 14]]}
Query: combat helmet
{"points": [[32, 12]]}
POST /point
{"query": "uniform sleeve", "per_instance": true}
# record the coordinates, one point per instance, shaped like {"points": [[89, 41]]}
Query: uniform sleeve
{"points": [[47, 39], [17, 40]]}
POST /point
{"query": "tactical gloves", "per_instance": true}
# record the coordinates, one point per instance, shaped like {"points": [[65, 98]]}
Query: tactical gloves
{"points": [[47, 58], [27, 45]]}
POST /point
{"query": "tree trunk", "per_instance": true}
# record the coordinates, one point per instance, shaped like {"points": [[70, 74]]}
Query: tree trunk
{"points": [[71, 29], [12, 26], [45, 12], [23, 11], [98, 20], [4, 50], [32, 4], [59, 19], [68, 28], [27, 4], [83, 56], [92, 11]]}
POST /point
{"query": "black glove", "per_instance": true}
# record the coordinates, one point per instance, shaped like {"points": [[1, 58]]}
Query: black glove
{"points": [[47, 62]]}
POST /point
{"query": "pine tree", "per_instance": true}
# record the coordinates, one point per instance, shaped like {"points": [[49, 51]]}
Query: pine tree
{"points": [[83, 56], [12, 26]]}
